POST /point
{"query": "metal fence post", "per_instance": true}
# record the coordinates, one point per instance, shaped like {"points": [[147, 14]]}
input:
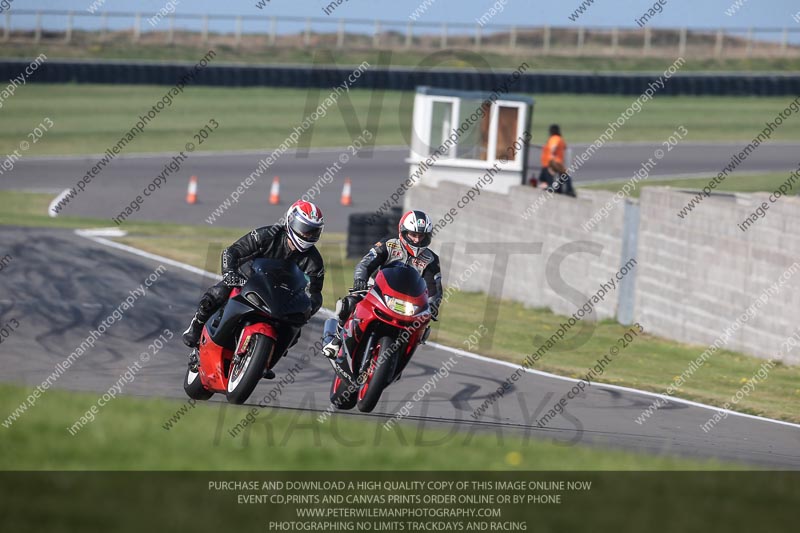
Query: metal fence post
{"points": [[307, 33], [238, 37], [205, 29], [37, 36], [749, 48], [443, 43], [171, 31], [409, 35], [477, 37], [340, 34], [68, 33], [546, 39], [7, 27], [682, 43], [513, 37], [273, 30], [104, 25], [376, 40], [137, 27], [785, 40], [614, 39], [718, 44], [646, 47], [581, 37]]}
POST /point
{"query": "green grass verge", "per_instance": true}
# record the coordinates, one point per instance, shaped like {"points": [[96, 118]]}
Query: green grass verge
{"points": [[649, 363], [736, 183], [122, 435], [124, 49], [91, 118]]}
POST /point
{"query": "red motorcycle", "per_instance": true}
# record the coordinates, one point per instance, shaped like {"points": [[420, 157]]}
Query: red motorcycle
{"points": [[379, 338], [256, 327]]}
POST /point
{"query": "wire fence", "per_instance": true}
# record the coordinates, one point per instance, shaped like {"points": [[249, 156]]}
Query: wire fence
{"points": [[259, 31]]}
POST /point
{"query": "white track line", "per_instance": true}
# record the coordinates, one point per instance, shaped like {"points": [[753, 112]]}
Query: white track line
{"points": [[92, 235], [89, 234]]}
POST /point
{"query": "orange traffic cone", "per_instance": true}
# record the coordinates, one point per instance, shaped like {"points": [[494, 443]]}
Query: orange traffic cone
{"points": [[275, 191], [191, 192], [346, 197]]}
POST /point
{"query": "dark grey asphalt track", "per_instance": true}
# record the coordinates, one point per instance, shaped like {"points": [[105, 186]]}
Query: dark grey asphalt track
{"points": [[60, 286], [374, 179]]}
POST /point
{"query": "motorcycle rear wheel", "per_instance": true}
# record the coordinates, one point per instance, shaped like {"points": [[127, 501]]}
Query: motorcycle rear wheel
{"points": [[244, 376]]}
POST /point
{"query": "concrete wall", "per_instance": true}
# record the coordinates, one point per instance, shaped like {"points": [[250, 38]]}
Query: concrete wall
{"points": [[694, 276], [491, 219], [697, 275]]}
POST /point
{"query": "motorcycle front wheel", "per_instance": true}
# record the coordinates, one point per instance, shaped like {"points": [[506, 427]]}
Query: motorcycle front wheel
{"points": [[342, 395], [245, 373], [379, 374], [193, 386]]}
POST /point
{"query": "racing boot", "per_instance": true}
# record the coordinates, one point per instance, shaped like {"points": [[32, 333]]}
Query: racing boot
{"points": [[192, 334], [331, 349], [330, 338]]}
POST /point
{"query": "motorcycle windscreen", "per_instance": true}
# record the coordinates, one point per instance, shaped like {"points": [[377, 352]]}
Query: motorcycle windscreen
{"points": [[282, 286], [403, 279]]}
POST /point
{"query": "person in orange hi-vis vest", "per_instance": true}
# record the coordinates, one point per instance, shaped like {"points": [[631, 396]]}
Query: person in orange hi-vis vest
{"points": [[554, 172]]}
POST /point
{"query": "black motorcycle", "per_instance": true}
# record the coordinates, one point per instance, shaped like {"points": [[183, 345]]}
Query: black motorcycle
{"points": [[259, 323]]}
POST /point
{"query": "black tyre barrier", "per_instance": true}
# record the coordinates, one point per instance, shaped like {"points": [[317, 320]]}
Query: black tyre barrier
{"points": [[402, 79], [365, 229]]}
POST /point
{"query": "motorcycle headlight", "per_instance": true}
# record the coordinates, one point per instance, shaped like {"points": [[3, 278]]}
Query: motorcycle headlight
{"points": [[400, 306]]}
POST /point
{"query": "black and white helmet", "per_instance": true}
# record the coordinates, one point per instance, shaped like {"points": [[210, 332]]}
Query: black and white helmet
{"points": [[415, 222]]}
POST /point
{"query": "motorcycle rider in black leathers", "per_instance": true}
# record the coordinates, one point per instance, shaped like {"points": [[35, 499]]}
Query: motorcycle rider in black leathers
{"points": [[293, 240], [410, 248]]}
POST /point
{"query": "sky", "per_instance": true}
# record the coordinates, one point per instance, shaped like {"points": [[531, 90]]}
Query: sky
{"points": [[675, 13]]}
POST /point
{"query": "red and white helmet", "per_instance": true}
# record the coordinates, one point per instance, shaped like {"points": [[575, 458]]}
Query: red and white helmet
{"points": [[415, 222], [304, 224]]}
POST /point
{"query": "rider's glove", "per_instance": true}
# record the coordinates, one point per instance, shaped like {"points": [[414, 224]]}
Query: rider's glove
{"points": [[233, 279], [359, 285]]}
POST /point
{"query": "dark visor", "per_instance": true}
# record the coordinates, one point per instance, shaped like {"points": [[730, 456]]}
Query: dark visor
{"points": [[306, 231]]}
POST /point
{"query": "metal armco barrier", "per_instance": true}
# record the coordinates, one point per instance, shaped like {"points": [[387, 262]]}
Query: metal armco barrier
{"points": [[403, 79]]}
